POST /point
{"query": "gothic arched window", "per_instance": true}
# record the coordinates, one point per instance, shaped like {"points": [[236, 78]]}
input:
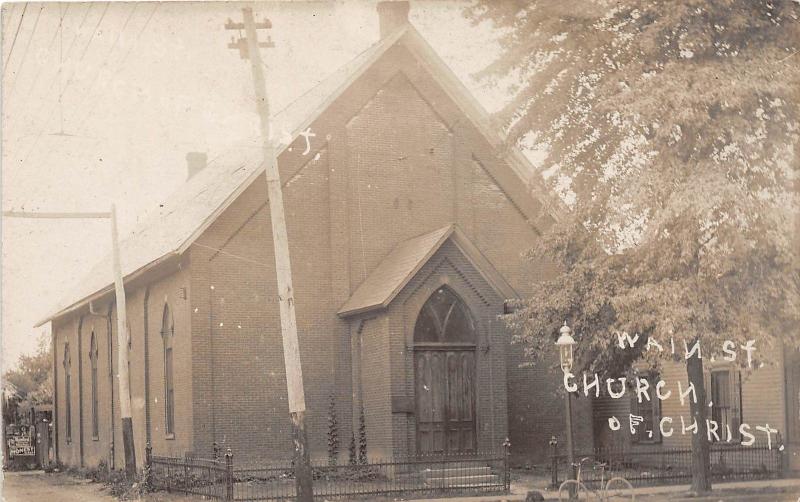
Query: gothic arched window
{"points": [[444, 319], [167, 335]]}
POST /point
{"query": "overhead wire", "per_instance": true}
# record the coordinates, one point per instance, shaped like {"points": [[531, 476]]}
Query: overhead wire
{"points": [[8, 17], [141, 30], [87, 94], [88, 98], [68, 53], [14, 40], [63, 90], [27, 46], [58, 32], [121, 65], [103, 15]]}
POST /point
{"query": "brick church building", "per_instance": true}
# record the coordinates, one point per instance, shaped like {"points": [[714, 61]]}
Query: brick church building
{"points": [[407, 221]]}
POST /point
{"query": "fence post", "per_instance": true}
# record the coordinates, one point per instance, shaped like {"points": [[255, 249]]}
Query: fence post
{"points": [[186, 479], [554, 462], [781, 471], [229, 475], [148, 466], [507, 464]]}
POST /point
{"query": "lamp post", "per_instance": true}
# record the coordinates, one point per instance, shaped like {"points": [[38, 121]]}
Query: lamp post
{"points": [[565, 344]]}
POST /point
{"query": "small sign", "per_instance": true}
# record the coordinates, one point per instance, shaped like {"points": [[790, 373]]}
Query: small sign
{"points": [[21, 444]]}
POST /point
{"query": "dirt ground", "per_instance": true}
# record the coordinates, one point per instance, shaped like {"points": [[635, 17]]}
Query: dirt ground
{"points": [[37, 486]]}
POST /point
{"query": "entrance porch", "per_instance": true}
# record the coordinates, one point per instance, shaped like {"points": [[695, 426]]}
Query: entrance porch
{"points": [[429, 350]]}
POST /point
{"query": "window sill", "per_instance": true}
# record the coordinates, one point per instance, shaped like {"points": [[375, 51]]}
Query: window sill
{"points": [[95, 438], [169, 436]]}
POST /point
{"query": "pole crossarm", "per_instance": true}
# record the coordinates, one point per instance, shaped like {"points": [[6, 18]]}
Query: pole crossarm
{"points": [[241, 44], [57, 215]]}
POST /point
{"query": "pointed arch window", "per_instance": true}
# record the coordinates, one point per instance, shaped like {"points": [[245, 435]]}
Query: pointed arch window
{"points": [[95, 408], [444, 319], [167, 335], [68, 392]]}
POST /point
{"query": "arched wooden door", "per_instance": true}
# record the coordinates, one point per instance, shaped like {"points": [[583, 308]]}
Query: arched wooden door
{"points": [[444, 362]]}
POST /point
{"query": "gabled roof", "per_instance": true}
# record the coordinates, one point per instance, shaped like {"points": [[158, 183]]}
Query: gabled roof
{"points": [[406, 259], [169, 232], [189, 211]]}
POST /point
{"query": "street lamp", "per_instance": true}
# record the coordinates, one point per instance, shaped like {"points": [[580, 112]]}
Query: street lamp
{"points": [[565, 344]]}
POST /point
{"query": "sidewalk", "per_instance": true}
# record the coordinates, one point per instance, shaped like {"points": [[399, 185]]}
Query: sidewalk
{"points": [[767, 490]]}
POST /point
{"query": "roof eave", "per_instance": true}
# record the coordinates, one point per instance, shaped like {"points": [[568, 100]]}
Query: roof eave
{"points": [[109, 289]]}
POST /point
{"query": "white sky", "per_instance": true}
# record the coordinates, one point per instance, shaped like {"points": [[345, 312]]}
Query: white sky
{"points": [[133, 87]]}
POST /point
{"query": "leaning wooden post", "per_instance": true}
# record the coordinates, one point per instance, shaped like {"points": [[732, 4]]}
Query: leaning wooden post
{"points": [[122, 354]]}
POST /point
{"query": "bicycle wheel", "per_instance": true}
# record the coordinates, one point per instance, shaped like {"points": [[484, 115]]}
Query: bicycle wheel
{"points": [[619, 490], [581, 492]]}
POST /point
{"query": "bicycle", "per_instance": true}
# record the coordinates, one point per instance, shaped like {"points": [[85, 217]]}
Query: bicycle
{"points": [[617, 489]]}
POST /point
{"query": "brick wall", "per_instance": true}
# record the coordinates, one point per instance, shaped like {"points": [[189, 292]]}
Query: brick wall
{"points": [[393, 158], [536, 411], [88, 450]]}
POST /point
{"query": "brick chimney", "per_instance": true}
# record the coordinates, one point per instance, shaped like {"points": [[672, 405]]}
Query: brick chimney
{"points": [[195, 162], [392, 15]]}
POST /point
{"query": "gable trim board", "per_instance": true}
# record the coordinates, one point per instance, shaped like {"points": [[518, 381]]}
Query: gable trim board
{"points": [[301, 114], [397, 269]]}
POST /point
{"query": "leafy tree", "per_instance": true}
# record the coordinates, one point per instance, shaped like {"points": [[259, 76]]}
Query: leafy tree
{"points": [[32, 377], [671, 131]]}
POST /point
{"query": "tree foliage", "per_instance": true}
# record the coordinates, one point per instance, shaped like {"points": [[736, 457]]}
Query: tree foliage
{"points": [[671, 130], [32, 378]]}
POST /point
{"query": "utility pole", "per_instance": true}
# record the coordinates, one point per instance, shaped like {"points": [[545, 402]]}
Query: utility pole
{"points": [[122, 354], [122, 325], [248, 47]]}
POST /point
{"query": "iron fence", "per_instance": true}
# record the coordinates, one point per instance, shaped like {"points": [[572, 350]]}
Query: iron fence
{"points": [[197, 476], [413, 476], [650, 466]]}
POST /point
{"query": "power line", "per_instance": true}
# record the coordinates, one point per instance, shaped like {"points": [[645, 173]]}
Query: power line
{"points": [[87, 97], [27, 46], [130, 49], [105, 64], [7, 19], [103, 15], [62, 91], [59, 33], [57, 77], [14, 40]]}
